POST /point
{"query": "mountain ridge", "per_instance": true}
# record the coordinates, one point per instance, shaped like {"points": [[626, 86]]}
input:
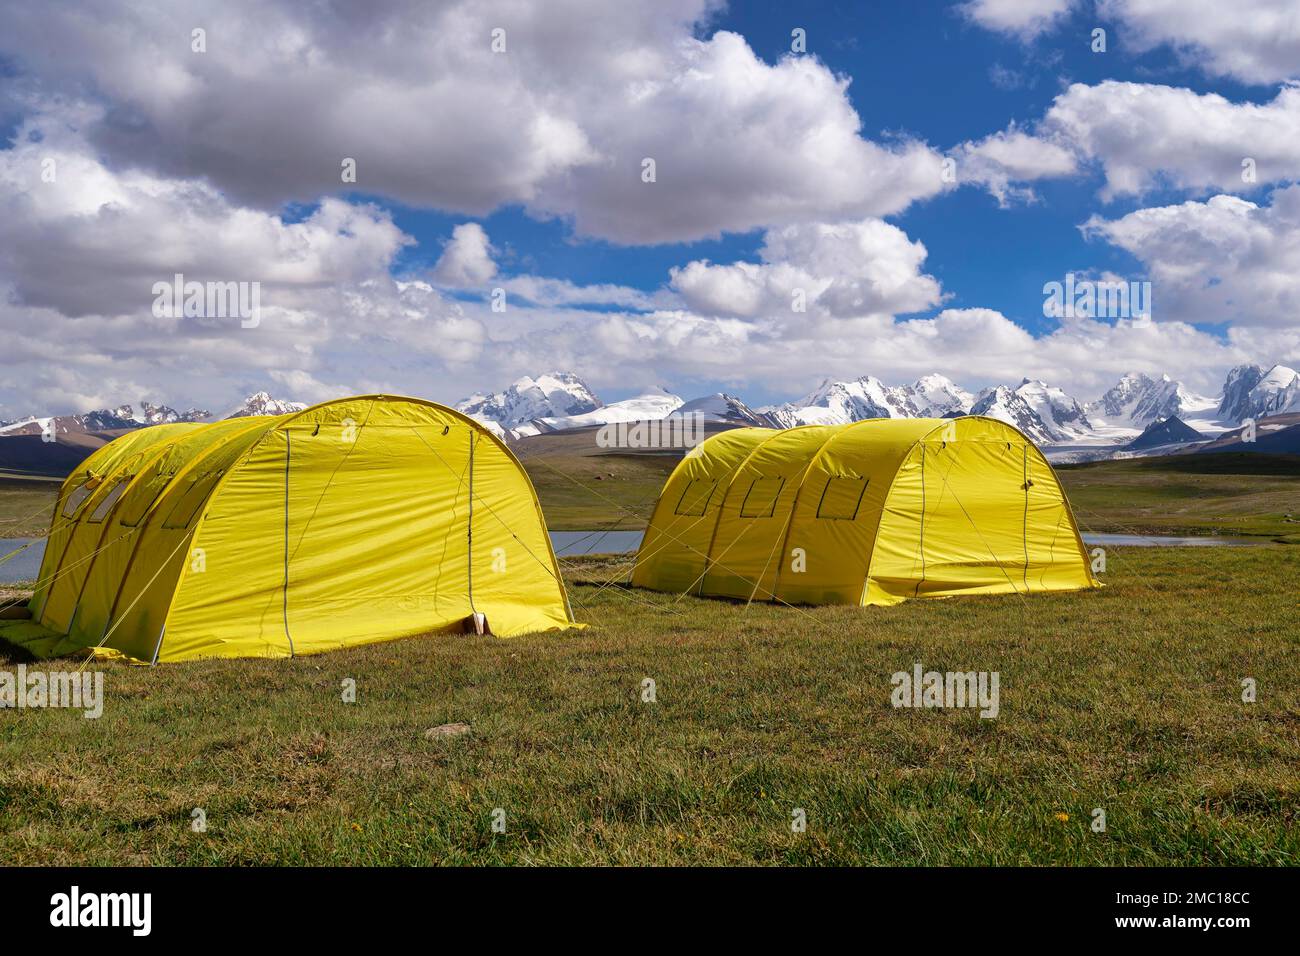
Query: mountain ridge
{"points": [[1046, 413], [558, 400], [123, 417]]}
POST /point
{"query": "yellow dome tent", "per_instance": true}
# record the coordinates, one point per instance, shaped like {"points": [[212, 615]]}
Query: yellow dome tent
{"points": [[872, 512], [354, 521]]}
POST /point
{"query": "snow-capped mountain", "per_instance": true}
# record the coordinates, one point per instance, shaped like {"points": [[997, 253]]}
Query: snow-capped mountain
{"points": [[555, 395], [721, 407], [1045, 413], [161, 414], [1007, 404], [653, 406], [1234, 405], [104, 419], [561, 400], [1251, 392], [832, 403], [938, 397], [1063, 418], [1137, 400], [648, 407], [1277, 393], [261, 403], [98, 421]]}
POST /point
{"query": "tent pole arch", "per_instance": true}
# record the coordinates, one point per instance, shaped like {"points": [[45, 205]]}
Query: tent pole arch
{"points": [[108, 484], [70, 526], [794, 505], [1024, 521], [284, 587], [194, 534], [1069, 509], [916, 592], [722, 503], [661, 502], [866, 581], [92, 469], [184, 471], [288, 460], [1027, 443], [469, 528]]}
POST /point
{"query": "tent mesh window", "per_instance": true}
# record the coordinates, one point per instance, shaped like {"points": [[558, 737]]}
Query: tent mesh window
{"points": [[106, 503], [76, 500], [695, 499], [184, 511], [760, 500], [141, 501], [841, 497]]}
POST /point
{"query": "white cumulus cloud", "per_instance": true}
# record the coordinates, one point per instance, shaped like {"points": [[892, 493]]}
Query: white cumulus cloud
{"points": [[1256, 41], [1146, 136], [1023, 18], [466, 261], [1222, 260], [559, 118], [845, 269]]}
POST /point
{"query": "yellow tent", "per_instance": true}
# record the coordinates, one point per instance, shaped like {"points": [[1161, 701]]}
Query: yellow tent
{"points": [[871, 512], [354, 521]]}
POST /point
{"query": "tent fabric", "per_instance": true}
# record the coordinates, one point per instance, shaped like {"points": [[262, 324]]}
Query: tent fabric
{"points": [[359, 520], [871, 512]]}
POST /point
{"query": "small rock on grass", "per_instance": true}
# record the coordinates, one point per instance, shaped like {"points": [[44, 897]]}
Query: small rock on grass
{"points": [[446, 730]]}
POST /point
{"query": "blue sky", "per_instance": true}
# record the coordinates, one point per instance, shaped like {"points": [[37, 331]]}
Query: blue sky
{"points": [[518, 172], [917, 68], [921, 69]]}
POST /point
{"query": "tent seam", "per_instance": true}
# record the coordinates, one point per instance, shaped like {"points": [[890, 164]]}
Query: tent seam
{"points": [[722, 505], [785, 540], [155, 508]]}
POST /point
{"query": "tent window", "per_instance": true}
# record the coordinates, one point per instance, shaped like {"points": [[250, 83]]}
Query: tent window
{"points": [[140, 502], [695, 499], [76, 499], [191, 501], [760, 500], [106, 503], [842, 497]]}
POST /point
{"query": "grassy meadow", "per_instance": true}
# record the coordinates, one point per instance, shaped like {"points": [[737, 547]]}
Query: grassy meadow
{"points": [[1237, 495], [25, 506], [1126, 699], [583, 487]]}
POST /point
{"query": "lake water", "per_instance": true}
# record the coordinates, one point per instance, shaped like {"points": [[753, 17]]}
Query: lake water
{"points": [[25, 566], [568, 544], [1165, 541]]}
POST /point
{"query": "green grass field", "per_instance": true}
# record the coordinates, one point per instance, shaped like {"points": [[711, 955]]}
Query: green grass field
{"points": [[1225, 494], [583, 488], [1126, 699], [25, 506]]}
